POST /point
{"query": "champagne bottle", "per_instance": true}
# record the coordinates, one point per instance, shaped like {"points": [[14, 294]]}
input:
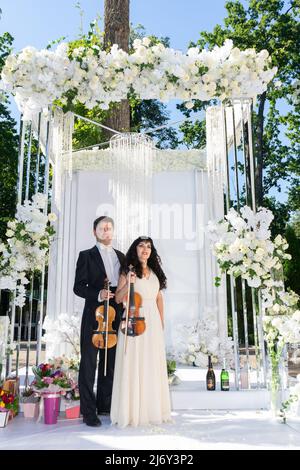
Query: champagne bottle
{"points": [[210, 376], [224, 379]]}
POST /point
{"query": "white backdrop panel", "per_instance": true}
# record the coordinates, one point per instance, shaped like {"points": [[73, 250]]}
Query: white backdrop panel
{"points": [[184, 199]]}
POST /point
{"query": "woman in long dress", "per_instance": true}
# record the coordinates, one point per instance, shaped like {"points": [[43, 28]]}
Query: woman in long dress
{"points": [[140, 393]]}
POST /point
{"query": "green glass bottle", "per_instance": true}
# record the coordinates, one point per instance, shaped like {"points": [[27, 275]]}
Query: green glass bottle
{"points": [[224, 379], [210, 376]]}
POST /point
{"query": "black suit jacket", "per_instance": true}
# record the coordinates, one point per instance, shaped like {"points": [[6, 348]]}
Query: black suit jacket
{"points": [[89, 279]]}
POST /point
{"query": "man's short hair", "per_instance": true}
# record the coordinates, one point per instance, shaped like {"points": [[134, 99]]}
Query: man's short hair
{"points": [[103, 217]]}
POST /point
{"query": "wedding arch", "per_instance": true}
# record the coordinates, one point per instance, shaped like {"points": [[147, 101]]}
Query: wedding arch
{"points": [[132, 170]]}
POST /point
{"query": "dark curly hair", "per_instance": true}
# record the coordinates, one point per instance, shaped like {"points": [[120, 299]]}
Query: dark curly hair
{"points": [[154, 262]]}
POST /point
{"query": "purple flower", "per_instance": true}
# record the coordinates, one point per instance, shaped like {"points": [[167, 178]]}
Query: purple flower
{"points": [[48, 380], [57, 373]]}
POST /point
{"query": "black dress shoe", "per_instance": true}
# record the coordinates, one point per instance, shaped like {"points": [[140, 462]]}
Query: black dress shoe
{"points": [[103, 412], [94, 422]]}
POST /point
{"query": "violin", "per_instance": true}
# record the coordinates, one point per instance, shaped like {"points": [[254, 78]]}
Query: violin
{"points": [[105, 336], [133, 324]]}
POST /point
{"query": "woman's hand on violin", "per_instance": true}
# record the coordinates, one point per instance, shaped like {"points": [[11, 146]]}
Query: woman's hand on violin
{"points": [[132, 279], [104, 294]]}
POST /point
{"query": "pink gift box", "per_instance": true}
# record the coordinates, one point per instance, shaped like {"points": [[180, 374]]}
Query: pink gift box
{"points": [[31, 410], [73, 412]]}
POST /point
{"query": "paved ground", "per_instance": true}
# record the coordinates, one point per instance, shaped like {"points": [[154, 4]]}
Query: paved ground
{"points": [[192, 429]]}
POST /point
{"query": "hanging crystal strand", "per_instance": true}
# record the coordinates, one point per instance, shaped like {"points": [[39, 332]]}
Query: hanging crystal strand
{"points": [[131, 162], [37, 167], [29, 325], [45, 210], [236, 107], [58, 145], [231, 277], [30, 300], [21, 152], [28, 162], [253, 199], [244, 117], [19, 336], [67, 144]]}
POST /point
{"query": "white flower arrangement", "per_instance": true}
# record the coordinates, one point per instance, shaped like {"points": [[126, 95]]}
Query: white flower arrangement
{"points": [[282, 320], [195, 342], [27, 247], [243, 247], [165, 160], [65, 329], [152, 71]]}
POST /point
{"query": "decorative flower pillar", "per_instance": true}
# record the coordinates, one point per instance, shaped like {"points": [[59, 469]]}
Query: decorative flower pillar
{"points": [[275, 351]]}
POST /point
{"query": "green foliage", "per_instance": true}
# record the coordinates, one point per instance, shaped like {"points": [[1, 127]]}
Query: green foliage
{"points": [[194, 134], [281, 215], [145, 114], [8, 149], [295, 222], [171, 366], [273, 25], [292, 267]]}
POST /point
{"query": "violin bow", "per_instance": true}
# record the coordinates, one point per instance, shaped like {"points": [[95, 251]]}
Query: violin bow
{"points": [[127, 309], [106, 328]]}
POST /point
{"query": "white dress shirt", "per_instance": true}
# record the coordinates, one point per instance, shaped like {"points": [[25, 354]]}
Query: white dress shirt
{"points": [[111, 262]]}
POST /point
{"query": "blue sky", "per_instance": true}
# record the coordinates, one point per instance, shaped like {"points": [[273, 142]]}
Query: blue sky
{"points": [[38, 22], [35, 22]]}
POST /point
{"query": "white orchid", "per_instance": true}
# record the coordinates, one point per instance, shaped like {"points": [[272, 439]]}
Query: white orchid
{"points": [[196, 341], [37, 78], [27, 246], [65, 329], [243, 247]]}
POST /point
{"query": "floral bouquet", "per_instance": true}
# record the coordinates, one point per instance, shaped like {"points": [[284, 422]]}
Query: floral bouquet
{"points": [[66, 363], [50, 379], [8, 401], [281, 326], [28, 240], [195, 342], [72, 403], [242, 246], [29, 396], [72, 395]]}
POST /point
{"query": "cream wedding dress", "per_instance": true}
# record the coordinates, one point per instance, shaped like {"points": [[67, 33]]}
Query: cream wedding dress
{"points": [[140, 393]]}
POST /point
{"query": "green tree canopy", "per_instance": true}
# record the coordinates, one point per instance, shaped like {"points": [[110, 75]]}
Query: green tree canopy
{"points": [[8, 149], [273, 25]]}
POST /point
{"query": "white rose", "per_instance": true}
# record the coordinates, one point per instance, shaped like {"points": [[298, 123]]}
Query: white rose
{"points": [[189, 105], [276, 308], [9, 233], [146, 42], [12, 224], [52, 217], [254, 282], [296, 315]]}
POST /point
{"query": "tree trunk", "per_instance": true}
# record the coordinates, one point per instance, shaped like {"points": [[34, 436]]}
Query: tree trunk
{"points": [[259, 151], [116, 31]]}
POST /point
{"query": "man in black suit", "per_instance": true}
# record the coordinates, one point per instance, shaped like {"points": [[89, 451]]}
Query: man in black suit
{"points": [[93, 267]]}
